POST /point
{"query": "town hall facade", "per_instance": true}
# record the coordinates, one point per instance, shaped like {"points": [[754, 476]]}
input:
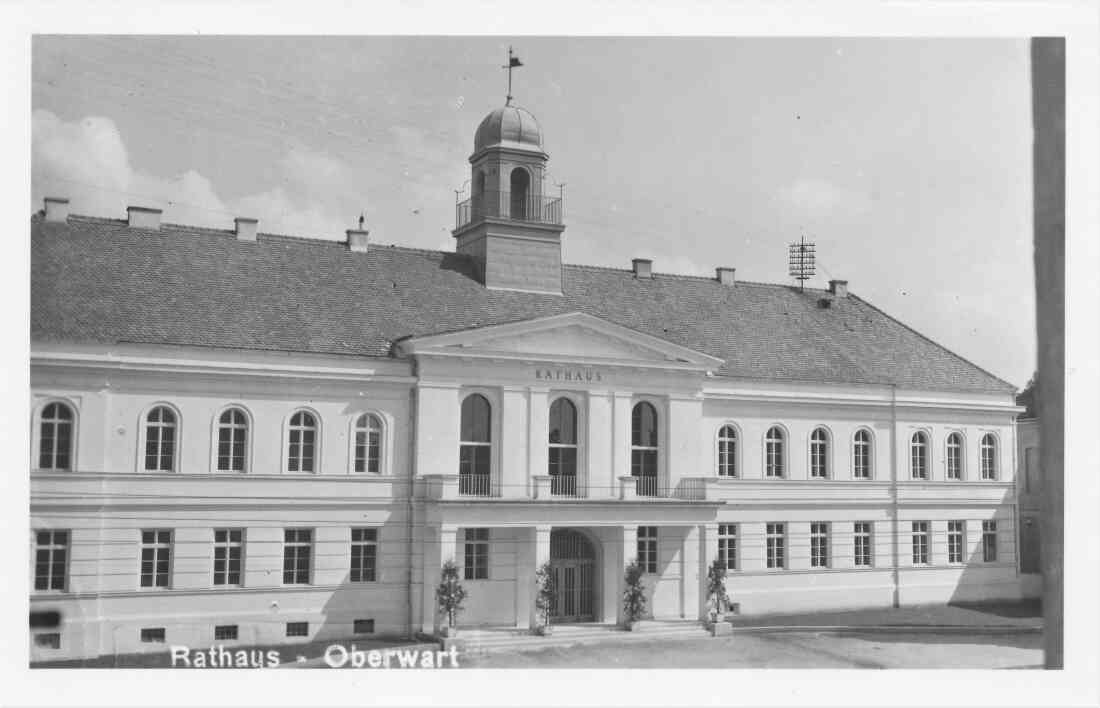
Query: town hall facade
{"points": [[241, 437]]}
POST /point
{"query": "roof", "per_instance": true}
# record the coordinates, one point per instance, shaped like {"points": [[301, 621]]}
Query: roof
{"points": [[508, 125], [100, 281]]}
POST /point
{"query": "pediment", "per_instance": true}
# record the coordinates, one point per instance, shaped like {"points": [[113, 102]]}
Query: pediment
{"points": [[575, 337]]}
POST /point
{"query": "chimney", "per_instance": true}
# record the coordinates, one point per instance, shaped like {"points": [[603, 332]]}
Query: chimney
{"points": [[643, 268], [725, 275], [57, 209], [357, 240], [143, 217], [246, 228], [839, 288]]}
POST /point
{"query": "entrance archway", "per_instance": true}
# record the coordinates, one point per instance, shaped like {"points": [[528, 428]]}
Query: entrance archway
{"points": [[573, 561]]}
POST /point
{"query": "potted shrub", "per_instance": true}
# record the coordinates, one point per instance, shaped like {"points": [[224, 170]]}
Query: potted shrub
{"points": [[449, 597], [634, 600], [717, 599], [546, 597]]}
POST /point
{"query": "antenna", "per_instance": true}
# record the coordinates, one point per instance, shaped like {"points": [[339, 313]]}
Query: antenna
{"points": [[513, 62], [800, 261]]}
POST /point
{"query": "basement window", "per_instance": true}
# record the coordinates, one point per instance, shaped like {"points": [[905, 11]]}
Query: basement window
{"points": [[364, 626], [151, 635]]}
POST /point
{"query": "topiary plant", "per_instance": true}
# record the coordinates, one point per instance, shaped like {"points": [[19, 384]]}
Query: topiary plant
{"points": [[546, 596], [717, 598], [450, 594], [634, 600]]}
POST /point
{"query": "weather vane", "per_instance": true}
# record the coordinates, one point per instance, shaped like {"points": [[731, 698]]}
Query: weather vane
{"points": [[513, 62], [800, 261]]}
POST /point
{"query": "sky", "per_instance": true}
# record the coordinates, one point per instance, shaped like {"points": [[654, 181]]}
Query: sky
{"points": [[907, 161]]}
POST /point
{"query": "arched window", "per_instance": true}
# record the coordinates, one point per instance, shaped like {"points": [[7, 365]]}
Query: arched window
{"points": [[861, 455], [302, 443], [520, 181], [368, 444], [954, 456], [232, 440], [774, 453], [727, 451], [160, 440], [475, 446], [989, 456], [55, 437], [644, 448], [918, 456], [819, 454], [563, 447]]}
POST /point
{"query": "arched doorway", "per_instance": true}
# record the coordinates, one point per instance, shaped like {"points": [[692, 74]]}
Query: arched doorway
{"points": [[573, 561]]}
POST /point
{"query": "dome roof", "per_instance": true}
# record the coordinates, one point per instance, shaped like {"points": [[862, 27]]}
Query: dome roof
{"points": [[508, 125]]}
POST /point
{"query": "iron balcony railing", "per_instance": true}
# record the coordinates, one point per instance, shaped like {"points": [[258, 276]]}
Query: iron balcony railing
{"points": [[474, 485], [647, 486], [564, 485], [514, 206]]}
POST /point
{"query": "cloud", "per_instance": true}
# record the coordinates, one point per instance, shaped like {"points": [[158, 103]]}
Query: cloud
{"points": [[87, 161], [818, 197]]}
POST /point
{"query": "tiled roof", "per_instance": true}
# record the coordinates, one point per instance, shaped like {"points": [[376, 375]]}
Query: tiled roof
{"points": [[100, 281]]}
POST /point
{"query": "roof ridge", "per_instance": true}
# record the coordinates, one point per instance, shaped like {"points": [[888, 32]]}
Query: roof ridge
{"points": [[934, 343], [685, 276]]}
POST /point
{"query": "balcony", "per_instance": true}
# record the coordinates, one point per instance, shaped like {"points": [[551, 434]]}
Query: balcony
{"points": [[474, 485], [512, 206]]}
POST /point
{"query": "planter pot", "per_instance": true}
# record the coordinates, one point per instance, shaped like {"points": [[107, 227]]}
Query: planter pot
{"points": [[720, 629], [543, 631], [448, 632], [629, 625]]}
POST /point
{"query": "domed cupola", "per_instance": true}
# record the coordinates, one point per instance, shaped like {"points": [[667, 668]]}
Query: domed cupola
{"points": [[508, 126], [507, 225]]}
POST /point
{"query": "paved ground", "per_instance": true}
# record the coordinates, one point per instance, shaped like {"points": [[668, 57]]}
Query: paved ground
{"points": [[823, 650], [1000, 614], [1000, 635]]}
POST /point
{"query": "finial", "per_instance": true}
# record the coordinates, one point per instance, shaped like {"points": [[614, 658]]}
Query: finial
{"points": [[361, 219], [513, 62]]}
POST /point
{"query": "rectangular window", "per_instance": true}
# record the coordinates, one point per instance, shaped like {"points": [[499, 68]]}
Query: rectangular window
{"points": [[364, 555], [727, 545], [647, 548], [151, 635], [363, 626], [51, 555], [297, 552], [989, 541], [775, 540], [225, 632], [862, 534], [920, 543], [819, 545], [297, 629], [956, 533], [477, 554], [49, 640], [156, 557], [861, 456], [228, 547]]}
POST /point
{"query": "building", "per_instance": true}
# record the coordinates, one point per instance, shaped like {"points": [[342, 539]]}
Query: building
{"points": [[1029, 489], [241, 437]]}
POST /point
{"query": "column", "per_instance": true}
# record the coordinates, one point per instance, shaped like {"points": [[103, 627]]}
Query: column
{"points": [[514, 478], [692, 573], [600, 481], [628, 551], [620, 439], [440, 545], [535, 553], [538, 432]]}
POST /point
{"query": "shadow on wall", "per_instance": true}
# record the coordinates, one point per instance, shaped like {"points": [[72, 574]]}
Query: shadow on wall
{"points": [[348, 613], [994, 578]]}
